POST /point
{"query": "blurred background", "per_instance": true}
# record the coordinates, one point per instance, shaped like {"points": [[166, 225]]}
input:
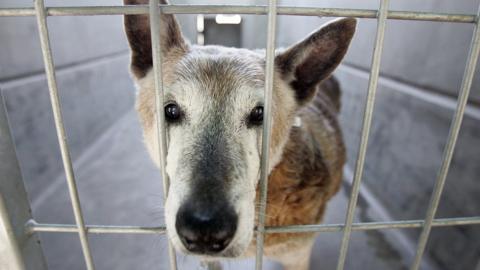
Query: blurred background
{"points": [[421, 73]]}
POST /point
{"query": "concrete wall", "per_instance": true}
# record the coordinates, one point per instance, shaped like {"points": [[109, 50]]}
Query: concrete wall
{"points": [[91, 59]]}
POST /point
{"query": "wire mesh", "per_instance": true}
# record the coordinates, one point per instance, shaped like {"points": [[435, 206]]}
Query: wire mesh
{"points": [[155, 11]]}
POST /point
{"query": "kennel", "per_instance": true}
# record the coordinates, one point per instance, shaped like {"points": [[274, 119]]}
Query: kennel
{"points": [[25, 251]]}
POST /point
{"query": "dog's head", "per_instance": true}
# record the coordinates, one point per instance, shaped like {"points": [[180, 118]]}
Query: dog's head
{"points": [[214, 112]]}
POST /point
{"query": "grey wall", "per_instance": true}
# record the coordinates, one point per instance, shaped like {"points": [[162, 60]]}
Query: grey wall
{"points": [[91, 59]]}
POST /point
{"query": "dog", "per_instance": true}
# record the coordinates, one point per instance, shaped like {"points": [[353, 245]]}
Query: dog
{"points": [[214, 114]]}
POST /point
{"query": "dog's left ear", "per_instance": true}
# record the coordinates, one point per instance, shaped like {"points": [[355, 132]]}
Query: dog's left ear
{"points": [[307, 63], [137, 28]]}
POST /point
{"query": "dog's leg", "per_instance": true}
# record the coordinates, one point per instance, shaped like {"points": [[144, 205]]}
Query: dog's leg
{"points": [[298, 258]]}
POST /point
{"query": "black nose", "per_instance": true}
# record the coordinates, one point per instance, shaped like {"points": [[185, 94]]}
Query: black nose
{"points": [[206, 228]]}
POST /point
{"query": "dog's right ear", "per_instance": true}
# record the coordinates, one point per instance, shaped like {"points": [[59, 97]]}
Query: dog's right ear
{"points": [[307, 63], [137, 28]]}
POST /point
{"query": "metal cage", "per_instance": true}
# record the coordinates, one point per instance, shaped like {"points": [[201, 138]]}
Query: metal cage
{"points": [[19, 228]]}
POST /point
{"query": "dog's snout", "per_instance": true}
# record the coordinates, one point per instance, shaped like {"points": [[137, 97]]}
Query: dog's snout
{"points": [[206, 228]]}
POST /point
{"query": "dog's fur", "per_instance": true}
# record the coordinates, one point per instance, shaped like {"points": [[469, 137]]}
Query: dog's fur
{"points": [[214, 152]]}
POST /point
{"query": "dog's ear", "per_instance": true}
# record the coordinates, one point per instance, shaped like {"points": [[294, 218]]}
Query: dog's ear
{"points": [[137, 28], [307, 63]]}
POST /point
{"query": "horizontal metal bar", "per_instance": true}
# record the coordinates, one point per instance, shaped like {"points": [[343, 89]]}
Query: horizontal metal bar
{"points": [[16, 12], [33, 226], [366, 226], [236, 9]]}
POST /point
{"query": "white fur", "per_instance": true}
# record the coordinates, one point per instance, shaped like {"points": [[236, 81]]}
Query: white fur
{"points": [[195, 103]]}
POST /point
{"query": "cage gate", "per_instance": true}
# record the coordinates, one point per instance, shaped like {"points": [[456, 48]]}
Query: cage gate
{"points": [[19, 230]]}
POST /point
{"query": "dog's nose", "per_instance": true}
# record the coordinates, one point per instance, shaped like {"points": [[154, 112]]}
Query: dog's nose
{"points": [[205, 228]]}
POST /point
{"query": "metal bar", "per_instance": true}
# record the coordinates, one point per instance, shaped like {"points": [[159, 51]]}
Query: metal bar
{"points": [[18, 250], [10, 256], [367, 226], [62, 138], [267, 130], [237, 9], [367, 120], [17, 12], [431, 16], [155, 24], [32, 226], [451, 142]]}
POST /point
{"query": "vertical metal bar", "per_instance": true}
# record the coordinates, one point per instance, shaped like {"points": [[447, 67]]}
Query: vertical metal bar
{"points": [[62, 138], [155, 21], [10, 255], [451, 142], [18, 249], [267, 130], [367, 120]]}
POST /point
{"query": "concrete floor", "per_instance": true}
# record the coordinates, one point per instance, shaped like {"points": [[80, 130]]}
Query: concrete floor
{"points": [[119, 185]]}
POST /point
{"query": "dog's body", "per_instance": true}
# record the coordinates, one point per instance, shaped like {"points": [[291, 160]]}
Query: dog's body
{"points": [[308, 175], [214, 112]]}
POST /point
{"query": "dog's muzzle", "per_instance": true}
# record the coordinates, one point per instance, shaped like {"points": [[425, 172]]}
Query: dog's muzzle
{"points": [[206, 228]]}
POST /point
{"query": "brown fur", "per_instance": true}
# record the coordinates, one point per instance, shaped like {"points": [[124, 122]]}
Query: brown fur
{"points": [[313, 59], [310, 171], [137, 28], [306, 161]]}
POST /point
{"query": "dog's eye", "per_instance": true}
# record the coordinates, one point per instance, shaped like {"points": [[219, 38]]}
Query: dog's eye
{"points": [[172, 112], [256, 116]]}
